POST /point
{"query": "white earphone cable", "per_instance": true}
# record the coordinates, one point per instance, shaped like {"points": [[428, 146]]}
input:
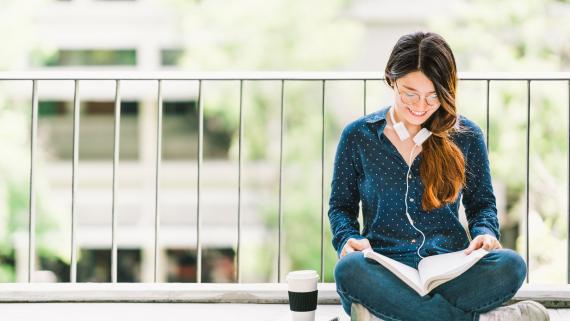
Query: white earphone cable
{"points": [[406, 202]]}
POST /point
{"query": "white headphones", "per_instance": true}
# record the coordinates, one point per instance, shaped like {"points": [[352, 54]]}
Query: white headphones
{"points": [[403, 133], [419, 138]]}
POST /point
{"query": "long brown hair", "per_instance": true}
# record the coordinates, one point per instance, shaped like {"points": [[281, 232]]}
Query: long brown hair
{"points": [[442, 169]]}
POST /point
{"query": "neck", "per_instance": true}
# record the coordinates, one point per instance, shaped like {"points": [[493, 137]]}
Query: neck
{"points": [[412, 128]]}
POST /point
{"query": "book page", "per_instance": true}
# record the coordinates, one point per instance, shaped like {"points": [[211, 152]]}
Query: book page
{"points": [[406, 273], [438, 269]]}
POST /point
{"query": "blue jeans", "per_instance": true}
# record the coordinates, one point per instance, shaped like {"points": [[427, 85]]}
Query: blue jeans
{"points": [[489, 283]]}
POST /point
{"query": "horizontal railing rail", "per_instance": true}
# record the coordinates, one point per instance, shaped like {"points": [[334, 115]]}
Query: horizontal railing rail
{"points": [[258, 75]]}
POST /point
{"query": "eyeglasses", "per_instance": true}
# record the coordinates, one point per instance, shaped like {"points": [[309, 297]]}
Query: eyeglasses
{"points": [[414, 99]]}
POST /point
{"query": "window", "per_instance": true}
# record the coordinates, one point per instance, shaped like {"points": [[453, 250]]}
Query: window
{"points": [[217, 265], [96, 129], [95, 265], [180, 133], [171, 57], [94, 57]]}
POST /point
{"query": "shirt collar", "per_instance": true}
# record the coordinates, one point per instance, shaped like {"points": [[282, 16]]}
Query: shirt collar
{"points": [[377, 115]]}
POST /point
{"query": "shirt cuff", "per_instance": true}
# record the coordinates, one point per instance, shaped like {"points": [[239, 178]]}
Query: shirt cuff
{"points": [[480, 230], [355, 236]]}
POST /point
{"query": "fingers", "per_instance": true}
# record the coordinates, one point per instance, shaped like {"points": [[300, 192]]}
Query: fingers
{"points": [[352, 243], [492, 243], [475, 244], [347, 249], [355, 245], [359, 245], [365, 244], [486, 244], [483, 241]]}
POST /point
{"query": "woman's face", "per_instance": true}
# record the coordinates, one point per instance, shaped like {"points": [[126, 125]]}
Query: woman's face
{"points": [[412, 93]]}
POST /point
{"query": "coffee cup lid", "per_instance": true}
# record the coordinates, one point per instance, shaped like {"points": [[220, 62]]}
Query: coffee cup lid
{"points": [[302, 274]]}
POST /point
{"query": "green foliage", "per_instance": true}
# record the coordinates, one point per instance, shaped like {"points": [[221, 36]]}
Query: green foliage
{"points": [[19, 37], [521, 36]]}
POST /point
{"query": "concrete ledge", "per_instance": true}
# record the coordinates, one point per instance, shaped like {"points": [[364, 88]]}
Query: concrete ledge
{"points": [[552, 296], [271, 293]]}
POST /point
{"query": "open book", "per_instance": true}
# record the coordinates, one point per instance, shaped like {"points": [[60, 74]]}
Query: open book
{"points": [[432, 270]]}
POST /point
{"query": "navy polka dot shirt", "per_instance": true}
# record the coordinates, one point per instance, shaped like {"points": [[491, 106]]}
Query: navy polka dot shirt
{"points": [[369, 169]]}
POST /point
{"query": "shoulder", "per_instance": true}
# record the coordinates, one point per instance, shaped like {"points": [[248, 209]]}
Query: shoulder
{"points": [[467, 131], [365, 124], [362, 126]]}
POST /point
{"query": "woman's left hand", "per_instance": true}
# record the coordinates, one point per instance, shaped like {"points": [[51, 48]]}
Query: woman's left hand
{"points": [[485, 241]]}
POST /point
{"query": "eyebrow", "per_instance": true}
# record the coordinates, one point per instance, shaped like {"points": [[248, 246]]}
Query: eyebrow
{"points": [[410, 88]]}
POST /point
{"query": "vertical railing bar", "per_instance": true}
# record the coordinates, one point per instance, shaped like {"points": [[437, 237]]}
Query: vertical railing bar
{"points": [[364, 95], [280, 208], [323, 181], [527, 178], [488, 114], [116, 143], [568, 199], [157, 179], [199, 163], [74, 170], [240, 142], [32, 196]]}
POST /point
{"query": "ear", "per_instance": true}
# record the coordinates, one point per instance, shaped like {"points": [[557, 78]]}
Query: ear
{"points": [[389, 81]]}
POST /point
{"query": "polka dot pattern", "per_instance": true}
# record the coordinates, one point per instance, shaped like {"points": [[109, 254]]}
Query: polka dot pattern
{"points": [[368, 171]]}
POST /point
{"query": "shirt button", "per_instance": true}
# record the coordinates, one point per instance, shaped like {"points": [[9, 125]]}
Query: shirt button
{"points": [[410, 176], [411, 199], [413, 240]]}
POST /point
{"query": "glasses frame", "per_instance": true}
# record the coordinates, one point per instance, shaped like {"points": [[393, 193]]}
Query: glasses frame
{"points": [[421, 97]]}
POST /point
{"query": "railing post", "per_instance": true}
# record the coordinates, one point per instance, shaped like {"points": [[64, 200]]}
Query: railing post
{"points": [[157, 179], [323, 180], [198, 181], [527, 231], [280, 207], [116, 145], [75, 169], [240, 142], [32, 199]]}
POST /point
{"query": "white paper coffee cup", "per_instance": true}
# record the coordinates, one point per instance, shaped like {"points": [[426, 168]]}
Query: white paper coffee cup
{"points": [[302, 286]]}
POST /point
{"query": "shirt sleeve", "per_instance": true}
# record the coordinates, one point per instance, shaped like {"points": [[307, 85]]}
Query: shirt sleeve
{"points": [[478, 196], [345, 196]]}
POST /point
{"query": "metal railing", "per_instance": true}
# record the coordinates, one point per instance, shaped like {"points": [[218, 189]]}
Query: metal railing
{"points": [[283, 77]]}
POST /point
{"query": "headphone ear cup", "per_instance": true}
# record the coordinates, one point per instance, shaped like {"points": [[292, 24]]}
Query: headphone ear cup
{"points": [[401, 130], [399, 127], [421, 136]]}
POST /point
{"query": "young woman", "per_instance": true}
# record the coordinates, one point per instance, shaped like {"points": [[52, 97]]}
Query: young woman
{"points": [[393, 175]]}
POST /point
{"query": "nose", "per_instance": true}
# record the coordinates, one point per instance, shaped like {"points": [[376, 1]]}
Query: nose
{"points": [[422, 105]]}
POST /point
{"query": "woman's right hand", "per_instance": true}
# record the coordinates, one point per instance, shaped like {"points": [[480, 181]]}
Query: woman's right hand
{"points": [[355, 245]]}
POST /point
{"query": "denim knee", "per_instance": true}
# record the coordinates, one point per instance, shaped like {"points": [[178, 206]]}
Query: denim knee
{"points": [[345, 272], [511, 266], [346, 269]]}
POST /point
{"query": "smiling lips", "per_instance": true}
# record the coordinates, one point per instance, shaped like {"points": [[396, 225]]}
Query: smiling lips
{"points": [[415, 113]]}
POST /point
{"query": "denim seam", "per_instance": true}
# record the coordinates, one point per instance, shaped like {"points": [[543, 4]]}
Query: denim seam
{"points": [[376, 312]]}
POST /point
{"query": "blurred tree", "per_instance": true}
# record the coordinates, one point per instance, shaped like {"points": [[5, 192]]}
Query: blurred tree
{"points": [[14, 155]]}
